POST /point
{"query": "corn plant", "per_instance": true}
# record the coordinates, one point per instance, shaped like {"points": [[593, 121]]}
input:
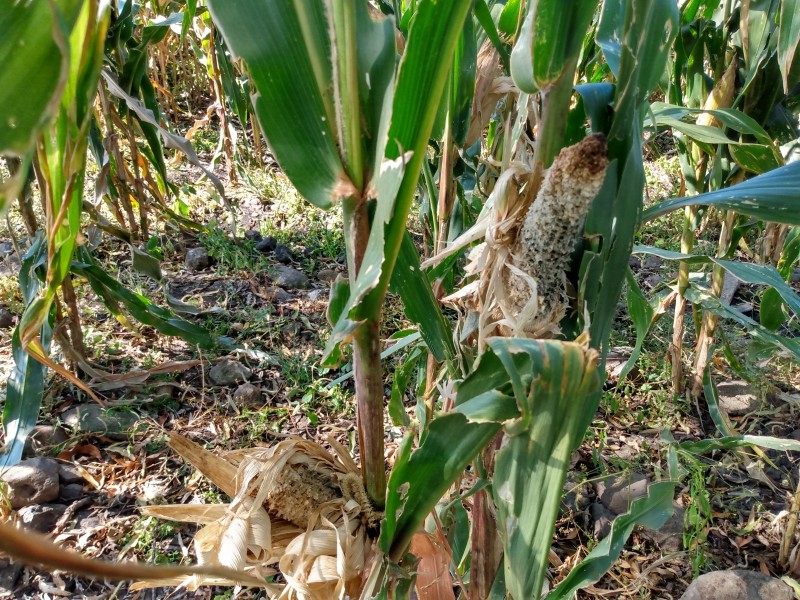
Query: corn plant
{"points": [[353, 130]]}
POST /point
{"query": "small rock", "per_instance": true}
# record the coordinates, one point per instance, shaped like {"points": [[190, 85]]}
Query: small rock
{"points": [[669, 538], [91, 418], [289, 278], [69, 473], [279, 295], [43, 437], [6, 248], [86, 520], [729, 287], [197, 259], [247, 394], [316, 295], [9, 573], [737, 584], [635, 263], [796, 275], [6, 318], [327, 275], [267, 244], [653, 262], [283, 254], [737, 397], [229, 372], [653, 281], [71, 492], [254, 235], [41, 517], [32, 481], [601, 518], [618, 491], [342, 259], [310, 251]]}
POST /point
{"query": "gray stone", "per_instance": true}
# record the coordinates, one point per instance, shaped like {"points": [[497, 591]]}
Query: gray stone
{"points": [[43, 437], [6, 248], [279, 295], [601, 520], [247, 394], [32, 481], [737, 397], [653, 262], [267, 244], [71, 492], [254, 235], [317, 295], [327, 275], [6, 318], [9, 573], [618, 491], [68, 473], [92, 418], [796, 275], [289, 278], [229, 372], [197, 259], [737, 584], [283, 254], [41, 517], [669, 538]]}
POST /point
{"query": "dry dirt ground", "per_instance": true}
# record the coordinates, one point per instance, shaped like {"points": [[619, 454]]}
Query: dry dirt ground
{"points": [[735, 508]]}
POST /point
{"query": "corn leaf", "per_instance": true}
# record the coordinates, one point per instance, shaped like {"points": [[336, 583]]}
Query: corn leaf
{"points": [[25, 387], [556, 386], [33, 40], [412, 284], [788, 38], [769, 197], [702, 296], [641, 314], [652, 511], [143, 310], [549, 42]]}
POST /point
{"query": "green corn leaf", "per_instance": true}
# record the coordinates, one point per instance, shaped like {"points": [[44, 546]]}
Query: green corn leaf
{"points": [[412, 284], [141, 308], [615, 213], [711, 303], [35, 55], [750, 273], [651, 511], [788, 38], [769, 197], [287, 48], [549, 42], [641, 314], [557, 388], [25, 387], [419, 479], [421, 81]]}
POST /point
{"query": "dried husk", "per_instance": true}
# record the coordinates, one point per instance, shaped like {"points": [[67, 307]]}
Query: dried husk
{"points": [[290, 515], [520, 285]]}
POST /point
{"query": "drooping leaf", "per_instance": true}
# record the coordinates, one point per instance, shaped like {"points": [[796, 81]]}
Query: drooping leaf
{"points": [[549, 42], [25, 386], [711, 303], [769, 197], [641, 314], [141, 308], [651, 511], [556, 386]]}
